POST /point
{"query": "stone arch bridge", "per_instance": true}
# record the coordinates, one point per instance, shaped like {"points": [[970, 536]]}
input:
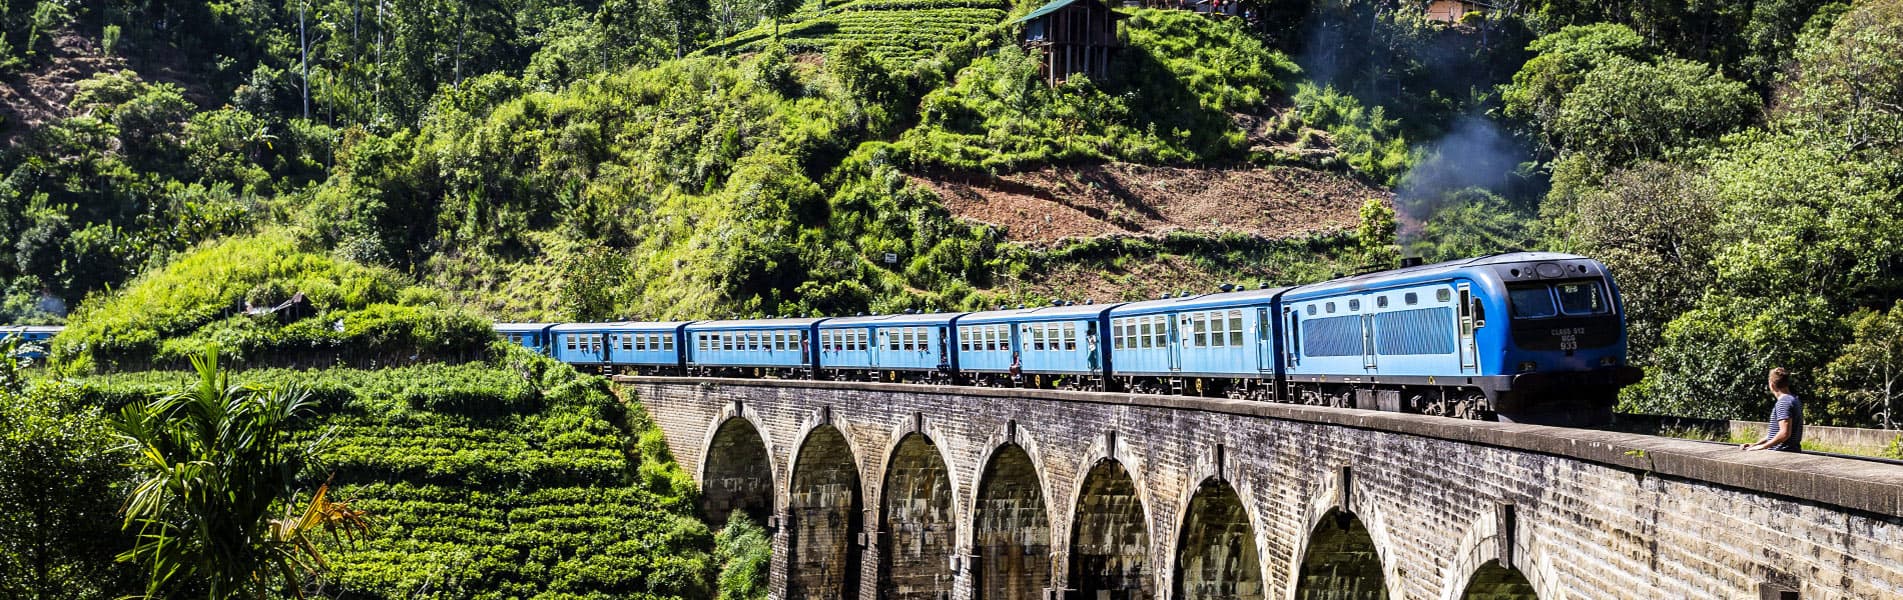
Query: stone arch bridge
{"points": [[892, 491]]}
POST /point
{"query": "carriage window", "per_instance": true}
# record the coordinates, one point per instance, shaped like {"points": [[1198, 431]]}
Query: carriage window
{"points": [[1331, 308], [1311, 310], [1200, 324], [1442, 295], [1354, 305], [1070, 336], [1235, 328], [568, 342], [727, 341], [1531, 302], [1144, 332], [1411, 298], [1037, 337], [667, 342], [1381, 302], [1162, 331], [1216, 338], [1580, 298]]}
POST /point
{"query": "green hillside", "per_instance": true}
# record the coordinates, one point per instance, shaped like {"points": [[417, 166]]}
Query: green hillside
{"points": [[901, 32], [511, 478], [173, 173]]}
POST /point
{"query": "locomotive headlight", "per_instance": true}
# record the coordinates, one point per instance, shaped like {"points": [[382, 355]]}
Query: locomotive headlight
{"points": [[1529, 366]]}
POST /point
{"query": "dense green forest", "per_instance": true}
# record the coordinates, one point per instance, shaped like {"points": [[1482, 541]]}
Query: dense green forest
{"points": [[361, 184], [1735, 162]]}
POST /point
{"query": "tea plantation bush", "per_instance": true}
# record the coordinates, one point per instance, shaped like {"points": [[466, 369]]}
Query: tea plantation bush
{"points": [[516, 477], [216, 294]]}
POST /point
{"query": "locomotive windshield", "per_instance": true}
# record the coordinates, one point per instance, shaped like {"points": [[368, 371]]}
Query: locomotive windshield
{"points": [[1571, 298]]}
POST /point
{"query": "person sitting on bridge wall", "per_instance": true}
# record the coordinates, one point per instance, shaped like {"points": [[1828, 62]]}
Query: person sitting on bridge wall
{"points": [[1786, 429]]}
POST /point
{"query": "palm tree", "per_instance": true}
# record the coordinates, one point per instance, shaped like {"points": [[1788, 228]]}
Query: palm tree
{"points": [[218, 507]]}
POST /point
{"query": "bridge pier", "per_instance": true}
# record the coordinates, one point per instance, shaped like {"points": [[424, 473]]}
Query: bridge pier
{"points": [[921, 492]]}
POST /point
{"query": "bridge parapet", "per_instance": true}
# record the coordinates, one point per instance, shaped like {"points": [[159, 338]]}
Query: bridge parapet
{"points": [[964, 493]]}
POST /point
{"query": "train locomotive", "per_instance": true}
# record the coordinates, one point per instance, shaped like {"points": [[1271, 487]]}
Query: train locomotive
{"points": [[1529, 337]]}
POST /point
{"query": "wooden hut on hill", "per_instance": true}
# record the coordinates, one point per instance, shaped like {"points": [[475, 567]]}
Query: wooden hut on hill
{"points": [[1452, 11], [1074, 36]]}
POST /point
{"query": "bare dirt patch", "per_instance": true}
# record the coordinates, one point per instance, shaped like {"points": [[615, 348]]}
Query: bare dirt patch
{"points": [[40, 94], [1055, 203]]}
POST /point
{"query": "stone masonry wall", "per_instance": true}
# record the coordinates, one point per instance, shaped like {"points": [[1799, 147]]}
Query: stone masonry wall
{"points": [[1578, 514]]}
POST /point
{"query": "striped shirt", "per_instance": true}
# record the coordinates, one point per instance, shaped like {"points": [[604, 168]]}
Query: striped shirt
{"points": [[1788, 407]]}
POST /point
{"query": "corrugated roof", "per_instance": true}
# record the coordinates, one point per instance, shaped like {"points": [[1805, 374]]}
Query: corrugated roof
{"points": [[1046, 9]]}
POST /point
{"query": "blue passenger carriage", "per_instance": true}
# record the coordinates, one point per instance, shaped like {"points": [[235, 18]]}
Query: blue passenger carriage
{"points": [[900, 347], [38, 335], [534, 336], [1212, 344], [1053, 346], [647, 348], [582, 344], [780, 347], [1419, 339]]}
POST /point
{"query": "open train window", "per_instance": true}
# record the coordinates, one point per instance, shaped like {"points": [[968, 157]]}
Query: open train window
{"points": [[667, 342], [1354, 305], [1199, 323], [1380, 301], [1531, 301]]}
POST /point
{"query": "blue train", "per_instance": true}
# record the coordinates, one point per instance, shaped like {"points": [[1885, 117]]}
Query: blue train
{"points": [[1531, 337], [37, 335]]}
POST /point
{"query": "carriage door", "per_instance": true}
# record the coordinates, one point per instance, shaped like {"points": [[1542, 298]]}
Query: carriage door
{"points": [[1176, 344], [877, 347], [1264, 349], [1367, 340], [944, 354], [1469, 353]]}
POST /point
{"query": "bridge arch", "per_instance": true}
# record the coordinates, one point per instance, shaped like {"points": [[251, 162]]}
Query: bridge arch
{"points": [[1477, 571], [1011, 526], [823, 517], [1343, 552], [1109, 535], [737, 470], [1216, 553], [917, 520], [1494, 581]]}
